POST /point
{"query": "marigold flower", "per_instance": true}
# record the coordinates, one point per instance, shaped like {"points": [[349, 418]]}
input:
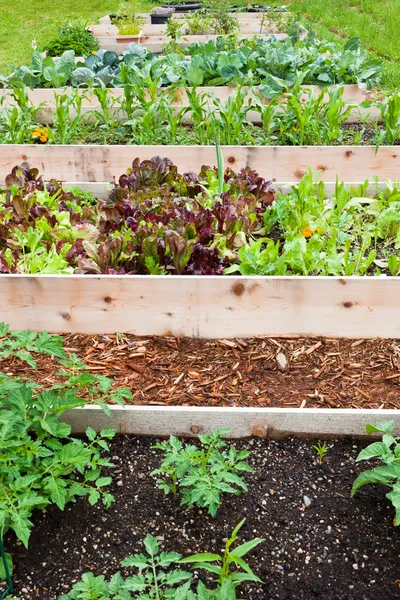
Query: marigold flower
{"points": [[41, 135], [307, 232]]}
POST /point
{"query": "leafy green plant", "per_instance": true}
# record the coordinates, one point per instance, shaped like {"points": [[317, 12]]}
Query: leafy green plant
{"points": [[39, 458], [73, 36], [98, 588], [128, 22], [230, 566], [387, 452], [159, 576], [321, 450], [202, 475], [390, 113], [155, 579], [22, 343], [96, 388]]}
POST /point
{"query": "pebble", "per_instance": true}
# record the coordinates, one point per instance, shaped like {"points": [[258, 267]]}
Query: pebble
{"points": [[306, 500]]}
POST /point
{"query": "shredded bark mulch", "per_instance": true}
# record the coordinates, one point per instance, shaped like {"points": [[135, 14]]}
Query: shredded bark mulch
{"points": [[256, 372], [319, 543]]}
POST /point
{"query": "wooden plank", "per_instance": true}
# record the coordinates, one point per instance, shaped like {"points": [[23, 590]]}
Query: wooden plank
{"points": [[97, 163], [46, 96], [275, 423], [203, 307]]}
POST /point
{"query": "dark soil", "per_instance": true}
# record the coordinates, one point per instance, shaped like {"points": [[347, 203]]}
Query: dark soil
{"points": [[319, 543]]}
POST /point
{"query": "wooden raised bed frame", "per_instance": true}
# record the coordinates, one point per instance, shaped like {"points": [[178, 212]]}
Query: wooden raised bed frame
{"points": [[282, 164], [163, 421], [203, 306], [213, 307]]}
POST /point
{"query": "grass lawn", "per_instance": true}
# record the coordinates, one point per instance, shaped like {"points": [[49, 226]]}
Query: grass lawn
{"points": [[27, 20], [376, 22]]}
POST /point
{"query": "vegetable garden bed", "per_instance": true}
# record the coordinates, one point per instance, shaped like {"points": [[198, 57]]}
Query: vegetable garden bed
{"points": [[156, 43], [318, 541], [89, 101], [268, 364]]}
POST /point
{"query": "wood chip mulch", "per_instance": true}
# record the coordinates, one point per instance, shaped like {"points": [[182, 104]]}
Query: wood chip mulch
{"points": [[258, 372]]}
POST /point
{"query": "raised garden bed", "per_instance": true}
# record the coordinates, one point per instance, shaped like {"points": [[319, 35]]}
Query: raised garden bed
{"points": [[317, 62], [318, 541], [45, 98], [155, 43]]}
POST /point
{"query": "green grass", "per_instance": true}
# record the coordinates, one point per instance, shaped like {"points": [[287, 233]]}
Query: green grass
{"points": [[376, 22], [27, 20]]}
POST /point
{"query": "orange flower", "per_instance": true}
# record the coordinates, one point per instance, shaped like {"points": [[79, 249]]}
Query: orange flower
{"points": [[307, 232], [41, 135], [319, 230]]}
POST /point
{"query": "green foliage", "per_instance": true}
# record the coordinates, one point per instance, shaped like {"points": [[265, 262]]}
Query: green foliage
{"points": [[98, 588], [41, 463], [74, 37], [155, 578], [202, 475], [40, 459], [229, 567], [21, 344], [275, 64], [97, 388], [340, 235], [159, 577], [387, 452], [126, 19], [322, 450]]}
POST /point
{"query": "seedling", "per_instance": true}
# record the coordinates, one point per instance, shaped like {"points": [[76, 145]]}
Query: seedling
{"points": [[321, 450], [202, 474], [232, 558], [160, 579], [388, 473]]}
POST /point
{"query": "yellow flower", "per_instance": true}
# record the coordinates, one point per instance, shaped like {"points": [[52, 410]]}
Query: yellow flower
{"points": [[93, 51], [307, 232], [319, 230]]}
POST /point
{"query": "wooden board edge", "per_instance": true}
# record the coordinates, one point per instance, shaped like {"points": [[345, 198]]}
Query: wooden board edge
{"points": [[99, 163], [275, 423]]}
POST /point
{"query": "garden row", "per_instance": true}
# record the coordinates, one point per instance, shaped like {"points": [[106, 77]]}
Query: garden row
{"points": [[267, 240], [210, 484]]}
